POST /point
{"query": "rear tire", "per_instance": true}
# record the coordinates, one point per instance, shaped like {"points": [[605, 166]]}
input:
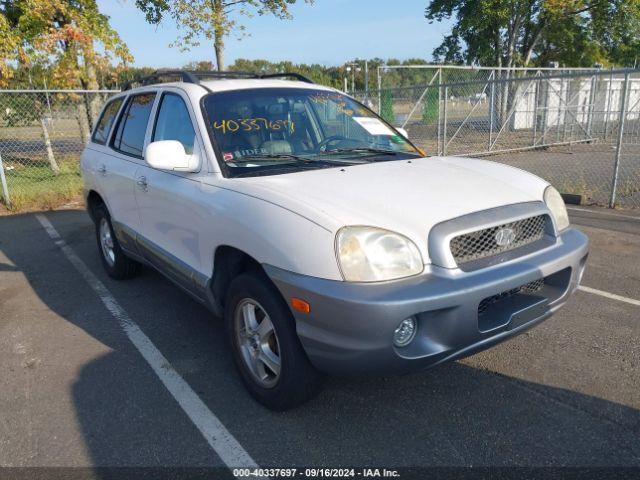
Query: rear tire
{"points": [[267, 352], [114, 260]]}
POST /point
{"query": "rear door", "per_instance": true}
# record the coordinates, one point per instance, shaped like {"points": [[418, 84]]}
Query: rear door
{"points": [[104, 170], [168, 201]]}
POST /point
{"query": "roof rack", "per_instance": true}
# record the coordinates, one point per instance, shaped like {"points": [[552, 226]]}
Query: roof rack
{"points": [[297, 76], [195, 77]]}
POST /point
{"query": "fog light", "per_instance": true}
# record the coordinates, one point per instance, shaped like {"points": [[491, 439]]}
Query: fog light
{"points": [[404, 333]]}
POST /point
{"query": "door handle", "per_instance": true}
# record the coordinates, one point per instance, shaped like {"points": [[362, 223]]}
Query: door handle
{"points": [[102, 170], [142, 183]]}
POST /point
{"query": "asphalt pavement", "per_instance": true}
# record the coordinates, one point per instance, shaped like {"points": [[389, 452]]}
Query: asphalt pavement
{"points": [[76, 392]]}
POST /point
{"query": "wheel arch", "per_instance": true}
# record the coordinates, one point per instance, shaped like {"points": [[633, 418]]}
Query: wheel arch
{"points": [[228, 263], [94, 200]]}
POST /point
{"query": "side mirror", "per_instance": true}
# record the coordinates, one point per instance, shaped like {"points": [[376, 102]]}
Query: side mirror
{"points": [[170, 155], [403, 132]]}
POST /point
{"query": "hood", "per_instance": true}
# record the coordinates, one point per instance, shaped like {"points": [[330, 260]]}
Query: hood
{"points": [[407, 197]]}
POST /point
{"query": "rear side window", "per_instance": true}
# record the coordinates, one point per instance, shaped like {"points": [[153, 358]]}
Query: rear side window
{"points": [[132, 126], [174, 123], [101, 133]]}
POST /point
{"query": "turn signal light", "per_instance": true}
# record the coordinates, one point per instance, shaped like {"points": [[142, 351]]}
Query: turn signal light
{"points": [[300, 305]]}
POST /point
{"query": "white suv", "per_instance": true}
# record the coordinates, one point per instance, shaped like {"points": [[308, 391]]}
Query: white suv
{"points": [[326, 240]]}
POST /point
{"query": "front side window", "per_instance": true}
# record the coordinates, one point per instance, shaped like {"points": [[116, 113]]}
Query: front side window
{"points": [[132, 126], [174, 123], [276, 130], [101, 133]]}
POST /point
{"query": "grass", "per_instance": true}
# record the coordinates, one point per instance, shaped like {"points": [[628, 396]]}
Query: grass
{"points": [[37, 187]]}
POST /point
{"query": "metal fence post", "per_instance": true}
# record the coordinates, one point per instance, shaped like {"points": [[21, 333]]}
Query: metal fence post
{"points": [[609, 95], [3, 179], [379, 92], [492, 107], [439, 111], [621, 121], [565, 114], [444, 129], [592, 105], [536, 95]]}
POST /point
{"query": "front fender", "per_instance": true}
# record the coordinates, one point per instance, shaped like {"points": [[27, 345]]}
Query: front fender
{"points": [[269, 233]]}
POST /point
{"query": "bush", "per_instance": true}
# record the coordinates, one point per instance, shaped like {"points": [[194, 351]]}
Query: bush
{"points": [[430, 109], [386, 106]]}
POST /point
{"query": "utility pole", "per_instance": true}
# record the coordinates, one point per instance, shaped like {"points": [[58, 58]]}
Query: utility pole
{"points": [[366, 79], [352, 68]]}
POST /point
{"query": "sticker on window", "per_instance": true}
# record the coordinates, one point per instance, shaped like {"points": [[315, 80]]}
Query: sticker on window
{"points": [[374, 126], [227, 156]]}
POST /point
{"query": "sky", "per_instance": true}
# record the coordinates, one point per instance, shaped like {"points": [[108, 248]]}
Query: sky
{"points": [[329, 32]]}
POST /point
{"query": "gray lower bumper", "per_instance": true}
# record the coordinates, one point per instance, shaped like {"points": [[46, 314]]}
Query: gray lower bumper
{"points": [[350, 327]]}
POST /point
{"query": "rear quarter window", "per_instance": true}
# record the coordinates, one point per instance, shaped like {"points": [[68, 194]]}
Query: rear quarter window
{"points": [[103, 127]]}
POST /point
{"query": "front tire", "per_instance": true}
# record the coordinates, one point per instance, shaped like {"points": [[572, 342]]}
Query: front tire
{"points": [[114, 261], [266, 349]]}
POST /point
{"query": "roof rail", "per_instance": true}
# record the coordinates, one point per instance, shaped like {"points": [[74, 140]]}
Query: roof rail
{"points": [[195, 77], [297, 76], [155, 77]]}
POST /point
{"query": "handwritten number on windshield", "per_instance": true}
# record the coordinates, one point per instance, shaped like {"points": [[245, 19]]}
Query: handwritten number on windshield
{"points": [[252, 124]]}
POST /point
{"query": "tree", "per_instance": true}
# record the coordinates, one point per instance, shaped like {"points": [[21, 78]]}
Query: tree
{"points": [[517, 32], [66, 41], [317, 73], [213, 20], [201, 66], [9, 40], [69, 38]]}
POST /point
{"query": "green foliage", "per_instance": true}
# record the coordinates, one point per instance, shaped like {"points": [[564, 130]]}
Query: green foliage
{"points": [[430, 110], [69, 39], [318, 73], [334, 76], [37, 187], [200, 66], [523, 32], [386, 106], [113, 77]]}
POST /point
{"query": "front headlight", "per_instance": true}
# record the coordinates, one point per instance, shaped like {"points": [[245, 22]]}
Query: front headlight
{"points": [[554, 201], [368, 254]]}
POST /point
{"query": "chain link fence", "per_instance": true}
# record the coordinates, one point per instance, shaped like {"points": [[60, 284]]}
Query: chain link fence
{"points": [[42, 133], [578, 129]]}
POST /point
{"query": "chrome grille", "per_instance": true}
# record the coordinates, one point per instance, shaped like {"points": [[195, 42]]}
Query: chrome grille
{"points": [[529, 288], [483, 243]]}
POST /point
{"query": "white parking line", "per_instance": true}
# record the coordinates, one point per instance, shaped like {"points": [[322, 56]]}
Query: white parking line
{"points": [[613, 296], [607, 214], [214, 432]]}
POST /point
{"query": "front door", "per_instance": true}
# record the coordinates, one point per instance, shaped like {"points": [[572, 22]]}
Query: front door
{"points": [[167, 201]]}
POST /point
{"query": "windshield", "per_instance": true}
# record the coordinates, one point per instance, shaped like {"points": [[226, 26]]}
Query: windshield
{"points": [[270, 131]]}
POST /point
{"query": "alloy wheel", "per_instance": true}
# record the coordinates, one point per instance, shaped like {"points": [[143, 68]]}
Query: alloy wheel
{"points": [[258, 342]]}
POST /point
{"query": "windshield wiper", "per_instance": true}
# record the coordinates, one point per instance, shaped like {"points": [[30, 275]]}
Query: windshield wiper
{"points": [[377, 151], [269, 157]]}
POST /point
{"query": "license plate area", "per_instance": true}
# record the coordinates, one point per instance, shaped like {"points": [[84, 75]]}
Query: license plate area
{"points": [[528, 314], [515, 307]]}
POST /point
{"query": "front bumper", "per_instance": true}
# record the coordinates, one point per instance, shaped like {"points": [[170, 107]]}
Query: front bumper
{"points": [[350, 327]]}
